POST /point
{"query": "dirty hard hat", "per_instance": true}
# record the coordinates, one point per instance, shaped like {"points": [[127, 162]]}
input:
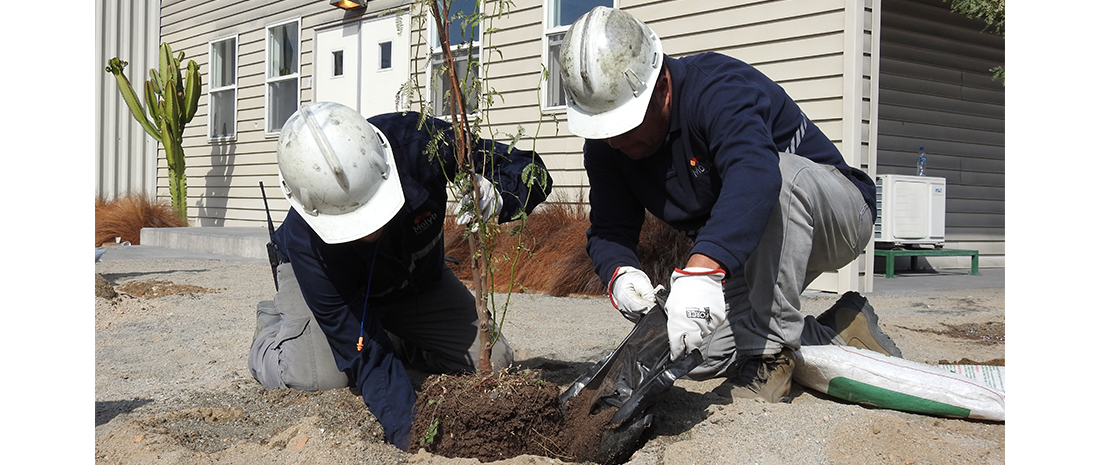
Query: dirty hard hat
{"points": [[610, 62], [337, 170]]}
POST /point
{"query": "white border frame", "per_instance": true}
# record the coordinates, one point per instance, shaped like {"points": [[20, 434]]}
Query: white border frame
{"points": [[297, 75], [235, 87], [544, 99], [432, 50]]}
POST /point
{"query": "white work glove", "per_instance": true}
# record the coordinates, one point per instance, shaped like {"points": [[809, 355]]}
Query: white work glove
{"points": [[490, 202], [696, 305], [631, 292]]}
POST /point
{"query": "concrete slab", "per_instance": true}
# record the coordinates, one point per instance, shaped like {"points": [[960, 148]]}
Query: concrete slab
{"points": [[238, 241]]}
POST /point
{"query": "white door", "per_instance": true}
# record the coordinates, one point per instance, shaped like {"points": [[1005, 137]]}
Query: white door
{"points": [[336, 78], [385, 65], [363, 65]]}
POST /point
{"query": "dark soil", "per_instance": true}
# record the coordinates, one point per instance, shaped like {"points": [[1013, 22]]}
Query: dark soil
{"points": [[154, 289], [501, 416], [146, 289], [103, 288]]}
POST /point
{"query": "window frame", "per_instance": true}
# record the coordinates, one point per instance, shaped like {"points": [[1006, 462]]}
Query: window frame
{"points": [[333, 55], [380, 56], [550, 7], [463, 50], [230, 88], [294, 75]]}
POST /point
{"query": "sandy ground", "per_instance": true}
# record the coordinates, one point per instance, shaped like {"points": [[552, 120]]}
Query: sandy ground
{"points": [[172, 383]]}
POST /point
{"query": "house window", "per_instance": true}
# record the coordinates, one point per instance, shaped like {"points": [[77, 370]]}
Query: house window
{"points": [[337, 63], [464, 36], [385, 55], [282, 74], [222, 123], [560, 14]]}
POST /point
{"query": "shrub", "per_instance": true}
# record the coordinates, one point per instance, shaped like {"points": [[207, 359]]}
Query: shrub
{"points": [[554, 260], [124, 216]]}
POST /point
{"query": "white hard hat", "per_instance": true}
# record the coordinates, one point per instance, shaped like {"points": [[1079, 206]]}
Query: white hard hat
{"points": [[337, 170], [610, 62]]}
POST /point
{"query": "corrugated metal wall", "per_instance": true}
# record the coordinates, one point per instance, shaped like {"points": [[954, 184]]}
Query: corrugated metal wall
{"points": [[125, 158], [936, 92]]}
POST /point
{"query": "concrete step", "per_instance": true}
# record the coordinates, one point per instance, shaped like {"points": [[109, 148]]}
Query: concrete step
{"points": [[239, 241]]}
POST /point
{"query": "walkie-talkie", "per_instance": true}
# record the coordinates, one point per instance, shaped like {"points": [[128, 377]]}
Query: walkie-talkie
{"points": [[272, 256]]}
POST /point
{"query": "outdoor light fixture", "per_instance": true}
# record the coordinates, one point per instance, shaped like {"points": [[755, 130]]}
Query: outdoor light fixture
{"points": [[348, 4]]}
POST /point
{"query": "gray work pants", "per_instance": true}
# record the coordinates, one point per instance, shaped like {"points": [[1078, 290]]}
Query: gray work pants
{"points": [[434, 331], [819, 223]]}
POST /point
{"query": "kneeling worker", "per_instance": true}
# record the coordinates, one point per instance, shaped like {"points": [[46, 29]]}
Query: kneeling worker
{"points": [[717, 150], [362, 284]]}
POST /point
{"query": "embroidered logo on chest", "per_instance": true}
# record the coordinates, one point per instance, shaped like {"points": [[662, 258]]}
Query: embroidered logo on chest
{"points": [[423, 221], [697, 167]]}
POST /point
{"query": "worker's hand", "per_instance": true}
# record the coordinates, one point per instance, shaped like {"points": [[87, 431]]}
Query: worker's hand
{"points": [[489, 202], [696, 306], [631, 292]]}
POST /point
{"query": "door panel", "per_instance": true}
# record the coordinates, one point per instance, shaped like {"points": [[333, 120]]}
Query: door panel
{"points": [[382, 84], [363, 65], [338, 66]]}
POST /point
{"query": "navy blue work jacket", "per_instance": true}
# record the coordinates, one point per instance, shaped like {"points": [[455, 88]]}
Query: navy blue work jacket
{"points": [[407, 258], [717, 176]]}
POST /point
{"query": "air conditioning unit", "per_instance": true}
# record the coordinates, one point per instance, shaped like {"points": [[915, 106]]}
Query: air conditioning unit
{"points": [[910, 209]]}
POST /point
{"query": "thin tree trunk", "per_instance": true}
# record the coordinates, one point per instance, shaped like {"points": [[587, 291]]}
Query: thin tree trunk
{"points": [[462, 147]]}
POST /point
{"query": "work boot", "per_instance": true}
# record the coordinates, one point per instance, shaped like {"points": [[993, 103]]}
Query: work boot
{"points": [[765, 376], [855, 321]]}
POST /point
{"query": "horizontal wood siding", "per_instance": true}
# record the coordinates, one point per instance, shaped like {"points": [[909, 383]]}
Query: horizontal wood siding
{"points": [[937, 93], [797, 43], [223, 177]]}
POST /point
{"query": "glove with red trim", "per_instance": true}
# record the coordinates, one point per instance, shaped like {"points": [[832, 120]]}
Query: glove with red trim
{"points": [[631, 292]]}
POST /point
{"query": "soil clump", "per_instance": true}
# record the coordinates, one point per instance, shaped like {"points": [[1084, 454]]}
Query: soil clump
{"points": [[505, 415]]}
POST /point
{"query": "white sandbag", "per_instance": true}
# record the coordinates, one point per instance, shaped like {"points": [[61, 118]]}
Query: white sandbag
{"points": [[870, 378], [989, 375]]}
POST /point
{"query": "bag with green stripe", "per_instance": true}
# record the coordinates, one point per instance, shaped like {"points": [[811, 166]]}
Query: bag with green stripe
{"points": [[870, 378]]}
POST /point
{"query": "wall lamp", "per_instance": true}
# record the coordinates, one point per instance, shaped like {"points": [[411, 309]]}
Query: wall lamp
{"points": [[348, 4]]}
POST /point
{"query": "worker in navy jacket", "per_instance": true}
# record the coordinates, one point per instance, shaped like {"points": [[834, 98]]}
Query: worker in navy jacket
{"points": [[362, 284], [717, 150]]}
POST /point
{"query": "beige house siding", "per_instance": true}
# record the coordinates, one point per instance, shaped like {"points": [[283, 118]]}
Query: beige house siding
{"points": [[822, 53], [937, 93], [825, 53], [223, 177], [803, 53], [514, 72]]}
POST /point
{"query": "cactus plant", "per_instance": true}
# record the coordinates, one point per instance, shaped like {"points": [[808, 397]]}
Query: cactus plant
{"points": [[172, 102]]}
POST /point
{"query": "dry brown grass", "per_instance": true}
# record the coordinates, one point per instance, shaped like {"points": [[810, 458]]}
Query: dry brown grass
{"points": [[124, 216], [554, 261]]}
